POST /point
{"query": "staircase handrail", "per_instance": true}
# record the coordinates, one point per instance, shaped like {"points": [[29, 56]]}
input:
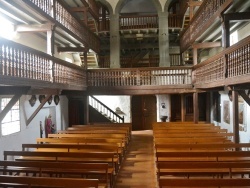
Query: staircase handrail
{"points": [[111, 112]]}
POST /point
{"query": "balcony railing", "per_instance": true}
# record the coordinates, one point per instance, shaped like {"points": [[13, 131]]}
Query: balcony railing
{"points": [[139, 22], [59, 13], [231, 66], [205, 16], [140, 77], [174, 21], [21, 65]]}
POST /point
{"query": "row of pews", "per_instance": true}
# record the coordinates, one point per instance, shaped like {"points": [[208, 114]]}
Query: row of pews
{"points": [[199, 155], [81, 156]]}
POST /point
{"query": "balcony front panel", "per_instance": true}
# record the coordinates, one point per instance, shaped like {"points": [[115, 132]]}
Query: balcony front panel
{"points": [[230, 67], [140, 77]]}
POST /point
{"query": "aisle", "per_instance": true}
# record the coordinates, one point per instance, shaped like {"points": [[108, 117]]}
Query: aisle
{"points": [[138, 168]]}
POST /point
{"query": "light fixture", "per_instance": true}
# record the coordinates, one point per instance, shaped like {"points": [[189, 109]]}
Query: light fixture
{"points": [[56, 99], [32, 100]]}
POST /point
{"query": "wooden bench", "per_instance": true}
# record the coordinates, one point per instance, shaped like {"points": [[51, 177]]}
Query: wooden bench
{"points": [[100, 171], [22, 181], [86, 141], [187, 131], [113, 126], [192, 135], [203, 146], [75, 148], [87, 157], [191, 140], [202, 169], [202, 156], [95, 131], [202, 182]]}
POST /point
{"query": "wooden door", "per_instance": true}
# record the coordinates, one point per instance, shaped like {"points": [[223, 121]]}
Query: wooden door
{"points": [[143, 112]]}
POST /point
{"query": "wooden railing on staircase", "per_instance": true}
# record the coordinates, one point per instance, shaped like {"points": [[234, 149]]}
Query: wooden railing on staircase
{"points": [[105, 110]]}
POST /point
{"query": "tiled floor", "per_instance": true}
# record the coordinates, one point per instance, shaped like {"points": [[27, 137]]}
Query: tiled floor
{"points": [[138, 168]]}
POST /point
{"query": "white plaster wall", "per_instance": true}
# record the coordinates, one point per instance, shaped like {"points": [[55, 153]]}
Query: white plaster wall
{"points": [[123, 102], [244, 32], [245, 134], [29, 133], [163, 99]]}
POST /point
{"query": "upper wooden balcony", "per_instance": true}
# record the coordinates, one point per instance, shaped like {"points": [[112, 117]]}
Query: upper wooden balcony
{"points": [[37, 16], [23, 66], [206, 23]]}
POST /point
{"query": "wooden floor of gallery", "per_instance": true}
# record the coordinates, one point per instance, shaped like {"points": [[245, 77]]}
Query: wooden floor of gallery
{"points": [[138, 168]]}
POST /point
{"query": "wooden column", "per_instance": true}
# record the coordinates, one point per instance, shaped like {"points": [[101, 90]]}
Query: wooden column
{"points": [[225, 34], [236, 116], [208, 106], [196, 107], [51, 41], [183, 108], [195, 56], [86, 109]]}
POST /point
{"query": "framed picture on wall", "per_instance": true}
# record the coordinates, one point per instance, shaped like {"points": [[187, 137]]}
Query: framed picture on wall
{"points": [[226, 112]]}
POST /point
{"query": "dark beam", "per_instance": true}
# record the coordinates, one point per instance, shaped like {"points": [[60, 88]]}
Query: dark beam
{"points": [[71, 49], [38, 109], [236, 116], [11, 90], [207, 45], [196, 107], [7, 108], [44, 91], [238, 16]]}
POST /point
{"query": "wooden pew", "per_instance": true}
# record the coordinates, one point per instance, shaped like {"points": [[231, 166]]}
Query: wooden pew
{"points": [[203, 156], [191, 140], [86, 141], [112, 126], [87, 157], [192, 135], [187, 131], [202, 182], [75, 148], [203, 146], [202, 169], [59, 169], [22, 181]]}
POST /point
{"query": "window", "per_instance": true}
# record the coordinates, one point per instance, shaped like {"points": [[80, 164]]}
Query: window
{"points": [[11, 122]]}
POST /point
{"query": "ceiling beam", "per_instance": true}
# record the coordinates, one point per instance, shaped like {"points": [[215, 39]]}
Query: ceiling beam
{"points": [[244, 96], [12, 90], [34, 28], [238, 16], [207, 45], [72, 49]]}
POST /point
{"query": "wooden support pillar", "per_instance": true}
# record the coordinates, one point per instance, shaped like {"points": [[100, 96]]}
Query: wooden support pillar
{"points": [[208, 107], [86, 109], [236, 116], [225, 34], [85, 56], [51, 41], [183, 108], [196, 107], [195, 56]]}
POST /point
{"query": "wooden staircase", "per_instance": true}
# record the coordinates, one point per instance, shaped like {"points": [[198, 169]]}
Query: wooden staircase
{"points": [[91, 60]]}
